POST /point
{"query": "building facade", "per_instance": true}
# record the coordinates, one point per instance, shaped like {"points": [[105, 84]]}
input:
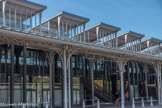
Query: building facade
{"points": [[59, 62]]}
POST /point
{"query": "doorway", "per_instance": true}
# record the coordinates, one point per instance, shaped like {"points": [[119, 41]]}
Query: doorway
{"points": [[31, 97]]}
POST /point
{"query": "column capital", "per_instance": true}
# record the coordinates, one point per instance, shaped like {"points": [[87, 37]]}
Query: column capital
{"points": [[157, 66], [4, 1], [50, 56], [145, 68], [121, 63], [66, 53], [92, 61]]}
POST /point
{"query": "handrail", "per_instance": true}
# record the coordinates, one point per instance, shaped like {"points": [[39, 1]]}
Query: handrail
{"points": [[99, 90]]}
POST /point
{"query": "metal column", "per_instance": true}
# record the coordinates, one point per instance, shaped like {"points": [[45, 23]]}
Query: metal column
{"points": [[49, 28], [21, 18], [126, 40], [121, 64], [158, 70], [65, 79], [59, 27], [145, 71], [84, 33], [24, 75], [50, 56], [69, 80], [92, 77], [97, 33], [116, 40], [15, 17], [4, 12], [31, 20], [40, 22], [122, 89], [12, 76], [10, 15]]}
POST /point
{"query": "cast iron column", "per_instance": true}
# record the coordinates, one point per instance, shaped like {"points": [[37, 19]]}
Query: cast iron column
{"points": [[12, 76], [92, 77], [121, 64], [50, 56], [24, 76], [145, 71], [65, 78], [158, 70]]}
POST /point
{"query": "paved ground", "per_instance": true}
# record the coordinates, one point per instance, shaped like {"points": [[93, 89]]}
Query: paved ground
{"points": [[128, 106], [147, 105]]}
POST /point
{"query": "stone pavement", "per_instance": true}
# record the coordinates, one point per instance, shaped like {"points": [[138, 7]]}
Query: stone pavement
{"points": [[109, 106], [147, 105], [127, 106]]}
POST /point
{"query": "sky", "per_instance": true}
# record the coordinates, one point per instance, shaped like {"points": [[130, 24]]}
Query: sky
{"points": [[141, 16]]}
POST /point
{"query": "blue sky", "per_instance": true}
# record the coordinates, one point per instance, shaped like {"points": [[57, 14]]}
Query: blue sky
{"points": [[142, 16]]}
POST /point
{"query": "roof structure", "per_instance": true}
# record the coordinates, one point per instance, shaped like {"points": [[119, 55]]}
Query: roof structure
{"points": [[23, 5], [131, 36], [64, 29], [152, 41], [105, 28], [63, 14], [28, 4]]}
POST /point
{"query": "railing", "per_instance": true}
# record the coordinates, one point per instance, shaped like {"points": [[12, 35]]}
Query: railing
{"points": [[73, 39], [142, 102], [95, 102], [104, 92], [99, 91], [97, 44]]}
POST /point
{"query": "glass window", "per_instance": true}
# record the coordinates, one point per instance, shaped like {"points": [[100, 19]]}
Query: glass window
{"points": [[5, 74]]}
